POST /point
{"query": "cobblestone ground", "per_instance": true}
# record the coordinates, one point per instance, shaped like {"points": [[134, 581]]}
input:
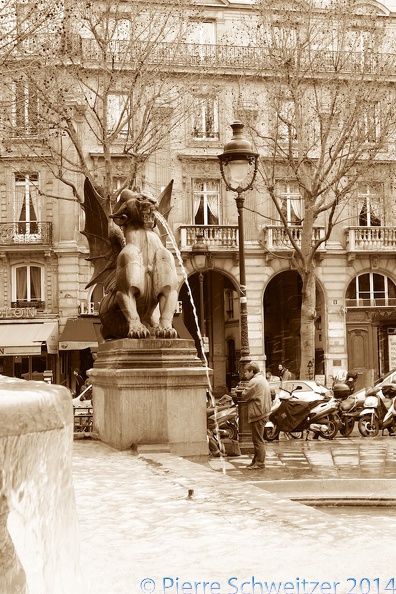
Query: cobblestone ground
{"points": [[161, 524]]}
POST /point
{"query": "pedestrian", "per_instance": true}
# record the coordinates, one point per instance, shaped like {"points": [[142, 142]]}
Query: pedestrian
{"points": [[271, 378], [257, 394], [78, 381], [284, 373]]}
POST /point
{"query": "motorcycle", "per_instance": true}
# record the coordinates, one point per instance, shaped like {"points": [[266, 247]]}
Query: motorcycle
{"points": [[222, 424], [350, 406], [293, 416], [379, 411]]}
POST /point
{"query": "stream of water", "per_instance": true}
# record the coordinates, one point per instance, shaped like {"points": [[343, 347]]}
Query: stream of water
{"points": [[42, 521], [167, 228]]}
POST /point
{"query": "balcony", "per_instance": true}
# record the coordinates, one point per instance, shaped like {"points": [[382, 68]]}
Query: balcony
{"points": [[28, 233], [213, 237], [276, 238], [23, 304], [230, 56], [371, 239]]}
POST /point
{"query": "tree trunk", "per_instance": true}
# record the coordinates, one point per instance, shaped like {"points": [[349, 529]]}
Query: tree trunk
{"points": [[308, 314]]}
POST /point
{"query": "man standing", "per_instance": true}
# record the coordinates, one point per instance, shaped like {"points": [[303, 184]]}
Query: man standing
{"points": [[284, 373], [257, 394]]}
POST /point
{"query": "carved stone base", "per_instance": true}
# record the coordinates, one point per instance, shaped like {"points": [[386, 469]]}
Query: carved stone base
{"points": [[150, 394]]}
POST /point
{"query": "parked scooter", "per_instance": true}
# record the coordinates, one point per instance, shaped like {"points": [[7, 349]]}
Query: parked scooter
{"points": [[350, 406], [379, 411], [293, 416], [222, 424]]}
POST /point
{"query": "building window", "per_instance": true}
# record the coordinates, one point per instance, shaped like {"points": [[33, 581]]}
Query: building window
{"points": [[371, 290], [205, 125], [26, 204], [27, 286], [201, 32], [206, 201], [368, 126], [230, 298], [25, 109], [121, 34], [118, 114], [286, 122], [290, 201], [370, 209]]}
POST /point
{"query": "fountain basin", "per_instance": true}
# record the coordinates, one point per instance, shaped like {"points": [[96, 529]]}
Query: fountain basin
{"points": [[38, 518], [32, 407]]}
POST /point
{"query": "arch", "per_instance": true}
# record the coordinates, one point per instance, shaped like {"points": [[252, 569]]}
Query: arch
{"points": [[370, 299], [94, 297], [214, 314], [369, 6], [282, 322], [371, 289]]}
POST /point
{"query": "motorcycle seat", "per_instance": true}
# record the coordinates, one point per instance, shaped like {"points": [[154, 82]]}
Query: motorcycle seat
{"points": [[347, 404]]}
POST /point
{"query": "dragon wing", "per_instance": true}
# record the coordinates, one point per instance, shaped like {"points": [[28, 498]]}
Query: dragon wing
{"points": [[164, 207], [104, 238], [164, 200]]}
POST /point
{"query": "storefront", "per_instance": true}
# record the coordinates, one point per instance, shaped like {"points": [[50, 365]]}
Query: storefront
{"points": [[78, 344], [29, 348]]}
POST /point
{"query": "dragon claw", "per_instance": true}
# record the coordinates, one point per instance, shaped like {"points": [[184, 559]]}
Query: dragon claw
{"points": [[138, 331], [167, 332]]}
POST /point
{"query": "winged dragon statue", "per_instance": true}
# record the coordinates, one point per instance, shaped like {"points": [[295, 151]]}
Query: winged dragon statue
{"points": [[136, 269]]}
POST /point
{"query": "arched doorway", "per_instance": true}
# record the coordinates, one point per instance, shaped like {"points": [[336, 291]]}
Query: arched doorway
{"points": [[216, 314], [282, 322], [371, 325]]}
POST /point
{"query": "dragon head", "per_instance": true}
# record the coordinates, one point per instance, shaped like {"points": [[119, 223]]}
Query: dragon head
{"points": [[136, 208]]}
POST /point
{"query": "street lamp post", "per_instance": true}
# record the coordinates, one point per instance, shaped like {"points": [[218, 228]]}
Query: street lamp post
{"points": [[238, 166]]}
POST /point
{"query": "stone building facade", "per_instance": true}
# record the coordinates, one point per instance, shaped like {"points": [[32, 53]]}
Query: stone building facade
{"points": [[48, 317]]}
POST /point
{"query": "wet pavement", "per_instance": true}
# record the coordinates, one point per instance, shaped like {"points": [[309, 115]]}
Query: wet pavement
{"points": [[156, 523], [338, 458]]}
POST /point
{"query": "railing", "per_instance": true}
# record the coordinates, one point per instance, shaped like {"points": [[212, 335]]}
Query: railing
{"points": [[371, 239], [276, 237], [173, 54], [210, 236], [22, 303], [25, 232], [230, 56], [83, 420], [210, 55], [377, 302]]}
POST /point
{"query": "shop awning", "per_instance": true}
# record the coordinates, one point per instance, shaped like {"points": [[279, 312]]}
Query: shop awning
{"points": [[80, 333], [27, 338]]}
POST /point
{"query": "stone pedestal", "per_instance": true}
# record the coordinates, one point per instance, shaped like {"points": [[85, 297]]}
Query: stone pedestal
{"points": [[151, 393]]}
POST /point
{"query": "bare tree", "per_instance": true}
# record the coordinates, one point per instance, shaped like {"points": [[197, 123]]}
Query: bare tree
{"points": [[110, 93], [330, 104], [21, 24]]}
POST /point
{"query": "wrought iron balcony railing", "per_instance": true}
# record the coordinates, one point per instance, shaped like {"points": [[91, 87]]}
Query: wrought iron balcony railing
{"points": [[195, 54], [22, 303], [231, 56], [276, 238], [375, 239], [23, 232], [211, 236]]}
